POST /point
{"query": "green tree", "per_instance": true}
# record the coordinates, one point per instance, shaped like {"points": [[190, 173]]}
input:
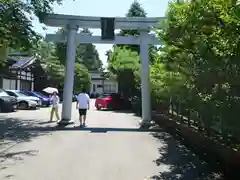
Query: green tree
{"points": [[126, 75], [124, 63], [55, 70], [86, 54], [15, 23], [82, 78], [135, 10], [202, 46], [45, 52], [87, 59], [89, 54]]}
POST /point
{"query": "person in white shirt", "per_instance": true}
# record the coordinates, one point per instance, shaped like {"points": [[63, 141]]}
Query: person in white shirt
{"points": [[55, 104], [83, 101]]}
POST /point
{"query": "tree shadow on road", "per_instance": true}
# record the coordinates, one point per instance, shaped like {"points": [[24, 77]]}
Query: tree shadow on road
{"points": [[14, 154], [181, 163], [10, 158], [88, 129], [15, 129], [123, 111], [12, 132]]}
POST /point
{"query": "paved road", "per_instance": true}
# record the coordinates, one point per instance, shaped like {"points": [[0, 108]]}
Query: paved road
{"points": [[110, 148]]}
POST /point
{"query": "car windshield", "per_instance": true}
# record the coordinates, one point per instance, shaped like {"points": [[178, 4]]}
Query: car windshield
{"points": [[20, 94], [26, 93], [40, 94], [3, 93], [104, 95]]}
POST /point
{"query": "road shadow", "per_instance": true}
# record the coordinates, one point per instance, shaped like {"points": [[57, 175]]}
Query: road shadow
{"points": [[182, 163], [105, 130], [126, 111], [14, 154], [14, 131], [46, 122], [10, 158], [62, 127], [7, 112]]}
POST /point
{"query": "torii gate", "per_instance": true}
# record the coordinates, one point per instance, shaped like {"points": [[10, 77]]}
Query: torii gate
{"points": [[107, 25]]}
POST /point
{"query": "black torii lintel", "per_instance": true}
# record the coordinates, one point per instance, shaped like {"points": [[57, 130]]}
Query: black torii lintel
{"points": [[107, 27]]}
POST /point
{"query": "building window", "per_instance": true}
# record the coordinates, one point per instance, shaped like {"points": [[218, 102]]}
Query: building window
{"points": [[25, 85], [110, 88], [13, 84], [106, 88], [94, 87], [113, 88], [99, 86]]}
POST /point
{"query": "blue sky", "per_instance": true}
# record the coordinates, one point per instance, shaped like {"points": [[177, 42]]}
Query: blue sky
{"points": [[103, 8]]}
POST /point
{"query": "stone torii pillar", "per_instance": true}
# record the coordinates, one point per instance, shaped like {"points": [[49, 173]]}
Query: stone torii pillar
{"points": [[69, 74], [145, 76]]}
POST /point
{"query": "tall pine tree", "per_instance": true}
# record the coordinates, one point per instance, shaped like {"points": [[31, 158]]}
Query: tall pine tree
{"points": [[135, 10], [122, 59]]}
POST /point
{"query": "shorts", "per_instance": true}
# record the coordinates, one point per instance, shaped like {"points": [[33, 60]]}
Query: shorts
{"points": [[82, 112]]}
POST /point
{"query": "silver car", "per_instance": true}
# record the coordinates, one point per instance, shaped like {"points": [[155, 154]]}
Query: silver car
{"points": [[24, 102]]}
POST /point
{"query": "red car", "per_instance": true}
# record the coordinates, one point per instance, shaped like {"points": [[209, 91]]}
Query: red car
{"points": [[111, 101]]}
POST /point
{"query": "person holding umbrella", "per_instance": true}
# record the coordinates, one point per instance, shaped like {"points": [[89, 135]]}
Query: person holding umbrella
{"points": [[55, 101], [55, 105]]}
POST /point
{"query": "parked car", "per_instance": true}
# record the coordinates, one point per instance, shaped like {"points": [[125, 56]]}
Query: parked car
{"points": [[7, 103], [112, 101], [24, 101], [46, 101]]}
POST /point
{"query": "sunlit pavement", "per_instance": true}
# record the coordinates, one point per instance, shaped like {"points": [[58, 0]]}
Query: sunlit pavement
{"points": [[109, 148]]}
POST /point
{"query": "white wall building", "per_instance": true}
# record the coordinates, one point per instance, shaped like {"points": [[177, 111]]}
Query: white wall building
{"points": [[100, 85], [19, 75]]}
